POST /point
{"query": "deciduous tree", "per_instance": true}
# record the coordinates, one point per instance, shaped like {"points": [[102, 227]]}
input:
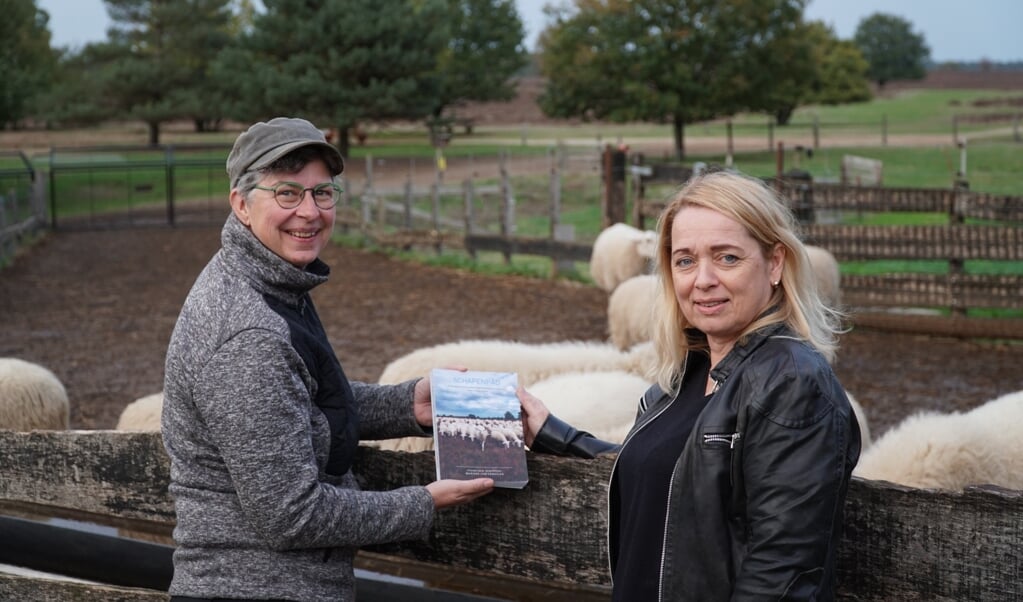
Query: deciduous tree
{"points": [[667, 61], [891, 48], [841, 69]]}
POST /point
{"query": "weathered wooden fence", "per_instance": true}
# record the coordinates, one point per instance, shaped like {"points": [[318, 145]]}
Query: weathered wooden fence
{"points": [[899, 544], [394, 218]]}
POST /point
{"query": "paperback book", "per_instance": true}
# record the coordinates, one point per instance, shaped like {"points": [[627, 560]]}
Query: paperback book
{"points": [[477, 427]]}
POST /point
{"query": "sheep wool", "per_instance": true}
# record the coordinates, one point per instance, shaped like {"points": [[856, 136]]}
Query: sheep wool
{"points": [[532, 362], [31, 397], [826, 274], [630, 310], [931, 450], [603, 404], [620, 252], [143, 414]]}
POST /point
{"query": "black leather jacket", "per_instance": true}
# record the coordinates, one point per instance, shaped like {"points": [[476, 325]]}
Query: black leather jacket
{"points": [[756, 499]]}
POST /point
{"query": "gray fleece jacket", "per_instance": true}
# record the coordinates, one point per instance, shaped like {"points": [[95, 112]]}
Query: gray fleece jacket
{"points": [[261, 424]]}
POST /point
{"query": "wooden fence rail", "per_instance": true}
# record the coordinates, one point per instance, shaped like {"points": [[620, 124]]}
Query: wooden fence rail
{"points": [[899, 544], [918, 242], [968, 204]]}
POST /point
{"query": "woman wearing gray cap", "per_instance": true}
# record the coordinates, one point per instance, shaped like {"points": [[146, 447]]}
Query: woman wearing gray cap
{"points": [[260, 422]]}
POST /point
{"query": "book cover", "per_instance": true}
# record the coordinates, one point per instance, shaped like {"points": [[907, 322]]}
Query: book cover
{"points": [[477, 427]]}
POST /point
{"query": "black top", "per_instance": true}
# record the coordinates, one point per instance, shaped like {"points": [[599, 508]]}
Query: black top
{"points": [[645, 466]]}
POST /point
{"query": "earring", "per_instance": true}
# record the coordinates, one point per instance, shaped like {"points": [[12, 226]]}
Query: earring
{"points": [[775, 283]]}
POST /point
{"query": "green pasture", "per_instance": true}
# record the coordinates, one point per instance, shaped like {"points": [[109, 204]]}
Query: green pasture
{"points": [[931, 112], [991, 165]]}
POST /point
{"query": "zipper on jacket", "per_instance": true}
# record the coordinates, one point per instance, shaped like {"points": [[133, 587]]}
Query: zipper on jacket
{"points": [[664, 537], [722, 438]]}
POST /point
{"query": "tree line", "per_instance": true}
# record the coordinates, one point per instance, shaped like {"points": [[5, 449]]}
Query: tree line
{"points": [[343, 63]]}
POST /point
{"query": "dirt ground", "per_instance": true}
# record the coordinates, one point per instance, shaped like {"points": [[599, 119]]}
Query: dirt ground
{"points": [[98, 308]]}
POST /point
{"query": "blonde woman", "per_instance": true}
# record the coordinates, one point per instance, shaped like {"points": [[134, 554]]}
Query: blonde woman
{"points": [[731, 483]]}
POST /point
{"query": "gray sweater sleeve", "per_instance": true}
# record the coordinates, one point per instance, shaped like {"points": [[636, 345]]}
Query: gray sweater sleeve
{"points": [[385, 411], [258, 416]]}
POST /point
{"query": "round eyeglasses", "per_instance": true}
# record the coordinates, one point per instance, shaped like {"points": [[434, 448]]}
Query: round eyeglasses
{"points": [[290, 194]]}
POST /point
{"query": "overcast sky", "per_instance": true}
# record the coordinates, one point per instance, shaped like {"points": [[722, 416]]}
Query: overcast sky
{"points": [[955, 30]]}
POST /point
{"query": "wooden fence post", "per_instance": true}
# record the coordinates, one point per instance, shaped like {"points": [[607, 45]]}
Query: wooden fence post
{"points": [[554, 158], [559, 232], [408, 197], [613, 202], [957, 265], [730, 144], [435, 213], [507, 206], [639, 190], [468, 213], [779, 161], [345, 201], [380, 202], [168, 170], [367, 199]]}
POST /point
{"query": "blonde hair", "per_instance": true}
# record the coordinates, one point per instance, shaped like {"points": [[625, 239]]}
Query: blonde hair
{"points": [[758, 209]]}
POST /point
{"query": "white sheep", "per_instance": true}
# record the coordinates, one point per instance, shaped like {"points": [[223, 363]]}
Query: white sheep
{"points": [[630, 311], [931, 450], [143, 414], [620, 252], [531, 361], [603, 404], [827, 275], [31, 397]]}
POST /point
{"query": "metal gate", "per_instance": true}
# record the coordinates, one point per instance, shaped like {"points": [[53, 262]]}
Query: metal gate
{"points": [[101, 187]]}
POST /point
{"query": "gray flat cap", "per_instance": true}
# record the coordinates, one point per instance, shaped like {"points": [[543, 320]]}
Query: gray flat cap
{"points": [[266, 141]]}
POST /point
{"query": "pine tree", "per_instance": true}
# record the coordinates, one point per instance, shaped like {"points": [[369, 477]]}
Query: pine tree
{"points": [[336, 62]]}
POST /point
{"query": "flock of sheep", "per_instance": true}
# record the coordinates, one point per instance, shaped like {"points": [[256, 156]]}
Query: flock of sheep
{"points": [[596, 386], [501, 432]]}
